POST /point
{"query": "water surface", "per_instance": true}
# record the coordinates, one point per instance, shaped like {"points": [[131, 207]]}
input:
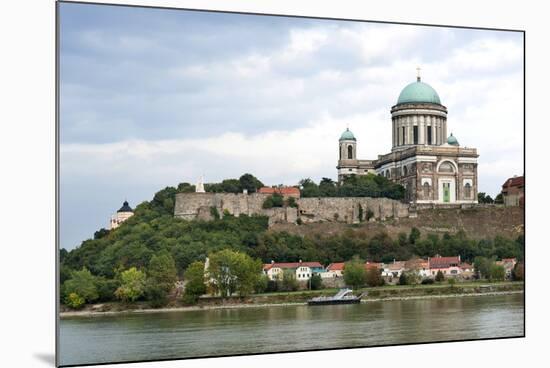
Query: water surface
{"points": [[130, 337]]}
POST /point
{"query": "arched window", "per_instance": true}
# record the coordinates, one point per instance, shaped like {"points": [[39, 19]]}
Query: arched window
{"points": [[350, 152], [340, 152], [387, 174], [404, 170], [467, 191], [426, 190], [446, 167]]}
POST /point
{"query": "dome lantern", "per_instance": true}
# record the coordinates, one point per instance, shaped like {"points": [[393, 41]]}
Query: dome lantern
{"points": [[347, 136]]}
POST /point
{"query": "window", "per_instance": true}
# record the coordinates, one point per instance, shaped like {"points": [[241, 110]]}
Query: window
{"points": [[403, 135], [415, 134], [429, 135], [350, 152], [404, 170], [467, 191], [426, 189]]}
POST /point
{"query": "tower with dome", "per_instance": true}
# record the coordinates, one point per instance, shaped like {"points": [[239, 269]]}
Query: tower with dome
{"points": [[432, 166]]}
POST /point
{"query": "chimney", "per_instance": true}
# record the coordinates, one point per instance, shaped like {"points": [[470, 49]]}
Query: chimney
{"points": [[300, 261], [245, 191], [272, 261]]}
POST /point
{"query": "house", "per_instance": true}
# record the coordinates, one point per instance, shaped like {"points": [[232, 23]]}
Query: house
{"points": [[284, 191], [334, 270], [302, 270], [370, 265], [466, 270], [419, 265], [508, 264], [393, 270], [449, 266], [513, 191]]}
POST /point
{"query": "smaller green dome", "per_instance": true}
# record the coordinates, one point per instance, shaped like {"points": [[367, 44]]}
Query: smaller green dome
{"points": [[452, 140], [347, 136]]}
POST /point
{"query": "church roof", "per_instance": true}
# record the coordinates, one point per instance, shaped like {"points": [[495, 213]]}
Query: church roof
{"points": [[418, 92], [347, 135], [125, 207]]}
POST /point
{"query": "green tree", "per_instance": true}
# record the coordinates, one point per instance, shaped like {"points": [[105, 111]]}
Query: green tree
{"points": [[289, 282], [499, 199], [403, 279], [132, 285], [482, 267], [232, 272], [439, 276], [497, 272], [250, 183], [316, 282], [195, 281], [162, 271], [414, 235], [82, 283], [355, 274]]}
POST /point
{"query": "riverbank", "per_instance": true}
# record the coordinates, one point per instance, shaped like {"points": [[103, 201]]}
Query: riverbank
{"points": [[384, 293]]}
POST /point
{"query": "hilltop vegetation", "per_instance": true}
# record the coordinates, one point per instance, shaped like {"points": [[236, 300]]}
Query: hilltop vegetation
{"points": [[144, 256]]}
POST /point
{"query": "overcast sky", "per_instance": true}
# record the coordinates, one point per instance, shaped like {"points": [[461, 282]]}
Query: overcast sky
{"points": [[150, 98]]}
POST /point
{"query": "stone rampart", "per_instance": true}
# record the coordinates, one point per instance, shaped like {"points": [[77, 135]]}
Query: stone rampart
{"points": [[349, 210]]}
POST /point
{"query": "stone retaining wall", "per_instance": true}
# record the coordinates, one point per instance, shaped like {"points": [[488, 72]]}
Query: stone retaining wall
{"points": [[349, 210]]}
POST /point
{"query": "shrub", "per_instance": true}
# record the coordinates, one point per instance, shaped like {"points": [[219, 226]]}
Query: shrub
{"points": [[355, 274], [194, 275], [156, 294], [272, 286], [374, 278], [439, 276], [403, 279], [299, 221], [83, 284], [132, 286], [291, 202], [214, 212], [261, 284], [73, 300], [189, 299], [452, 281], [427, 281], [268, 203], [370, 215], [316, 282]]}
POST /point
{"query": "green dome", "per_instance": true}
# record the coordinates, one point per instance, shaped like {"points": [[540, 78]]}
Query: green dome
{"points": [[452, 140], [347, 135], [418, 92]]}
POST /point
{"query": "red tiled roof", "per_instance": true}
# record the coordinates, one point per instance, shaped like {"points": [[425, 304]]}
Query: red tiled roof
{"points": [[509, 260], [518, 181], [268, 266], [283, 191], [338, 266], [443, 262], [465, 266], [373, 265], [396, 265]]}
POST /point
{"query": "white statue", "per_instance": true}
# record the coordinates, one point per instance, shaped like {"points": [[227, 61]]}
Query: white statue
{"points": [[200, 186]]}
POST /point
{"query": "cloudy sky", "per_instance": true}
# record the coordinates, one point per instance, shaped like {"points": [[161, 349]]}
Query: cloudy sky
{"points": [[150, 98]]}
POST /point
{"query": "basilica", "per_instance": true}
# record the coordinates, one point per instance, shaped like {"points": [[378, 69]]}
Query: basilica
{"points": [[432, 166]]}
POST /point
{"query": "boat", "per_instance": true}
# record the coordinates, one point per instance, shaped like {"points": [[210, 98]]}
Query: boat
{"points": [[344, 296]]}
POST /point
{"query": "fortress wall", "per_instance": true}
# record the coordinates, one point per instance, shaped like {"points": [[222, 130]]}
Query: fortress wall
{"points": [[197, 205]]}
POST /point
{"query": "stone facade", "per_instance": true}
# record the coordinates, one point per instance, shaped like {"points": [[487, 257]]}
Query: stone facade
{"points": [[433, 168], [191, 206]]}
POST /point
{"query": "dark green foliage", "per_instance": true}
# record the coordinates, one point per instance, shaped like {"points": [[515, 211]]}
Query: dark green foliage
{"points": [[427, 281], [289, 282], [482, 267], [82, 283], [414, 235], [250, 183], [214, 212], [403, 279], [439, 276], [316, 283], [261, 284], [161, 272], [291, 202], [275, 200], [353, 186], [106, 288], [156, 294], [485, 198], [499, 199], [101, 233]]}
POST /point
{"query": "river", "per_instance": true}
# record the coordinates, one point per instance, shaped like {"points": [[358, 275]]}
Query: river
{"points": [[131, 337]]}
